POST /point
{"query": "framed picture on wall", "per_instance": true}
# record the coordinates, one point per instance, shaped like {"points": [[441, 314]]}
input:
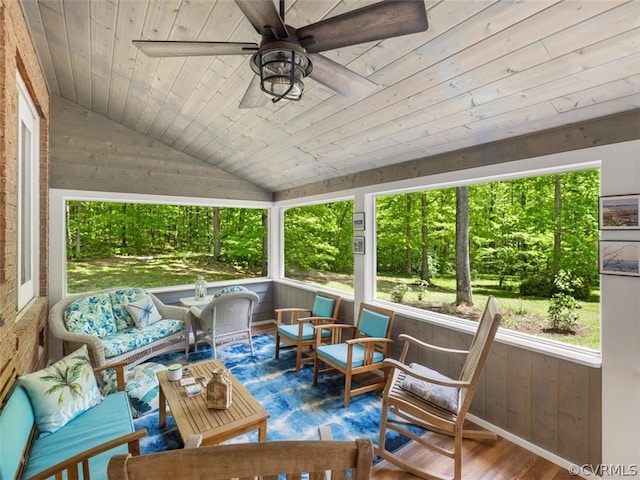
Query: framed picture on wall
{"points": [[619, 212], [358, 245], [620, 258], [358, 221]]}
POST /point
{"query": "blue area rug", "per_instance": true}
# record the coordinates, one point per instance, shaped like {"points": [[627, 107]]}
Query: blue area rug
{"points": [[297, 408]]}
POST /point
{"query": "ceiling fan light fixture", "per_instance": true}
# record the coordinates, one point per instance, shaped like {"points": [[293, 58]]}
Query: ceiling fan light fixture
{"points": [[282, 71]]}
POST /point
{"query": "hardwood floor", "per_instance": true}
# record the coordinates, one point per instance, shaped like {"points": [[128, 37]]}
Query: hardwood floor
{"points": [[485, 460]]}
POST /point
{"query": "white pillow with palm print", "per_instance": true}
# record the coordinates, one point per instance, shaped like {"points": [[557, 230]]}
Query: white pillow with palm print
{"points": [[143, 311], [62, 391]]}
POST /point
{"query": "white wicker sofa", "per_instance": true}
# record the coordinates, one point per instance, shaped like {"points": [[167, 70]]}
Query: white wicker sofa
{"points": [[102, 320]]}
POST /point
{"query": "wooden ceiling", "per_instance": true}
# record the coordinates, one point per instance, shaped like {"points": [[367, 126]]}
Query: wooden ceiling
{"points": [[484, 71]]}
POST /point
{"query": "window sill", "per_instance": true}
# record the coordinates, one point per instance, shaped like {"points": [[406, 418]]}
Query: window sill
{"points": [[579, 355]]}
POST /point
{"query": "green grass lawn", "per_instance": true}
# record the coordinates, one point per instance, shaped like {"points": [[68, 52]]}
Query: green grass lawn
{"points": [[523, 314]]}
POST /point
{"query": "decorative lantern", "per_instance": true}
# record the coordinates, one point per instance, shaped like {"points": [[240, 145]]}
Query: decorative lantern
{"points": [[219, 389], [200, 288]]}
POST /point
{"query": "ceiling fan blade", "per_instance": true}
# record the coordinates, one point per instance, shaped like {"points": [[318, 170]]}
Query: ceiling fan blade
{"points": [[254, 97], [169, 48], [339, 78], [264, 17], [390, 18]]}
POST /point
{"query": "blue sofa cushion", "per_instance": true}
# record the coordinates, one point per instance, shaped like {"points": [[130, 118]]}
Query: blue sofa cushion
{"points": [[16, 422], [229, 289], [133, 337], [105, 421], [119, 299], [141, 385], [338, 353], [91, 315], [62, 391]]}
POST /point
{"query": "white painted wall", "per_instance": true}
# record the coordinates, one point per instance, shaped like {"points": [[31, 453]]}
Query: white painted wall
{"points": [[620, 175]]}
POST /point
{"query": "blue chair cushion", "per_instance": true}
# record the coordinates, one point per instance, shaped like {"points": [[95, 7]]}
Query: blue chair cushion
{"points": [[323, 307], [373, 324], [338, 354], [308, 332]]}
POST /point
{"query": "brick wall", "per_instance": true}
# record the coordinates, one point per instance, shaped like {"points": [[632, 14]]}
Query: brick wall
{"points": [[23, 334]]}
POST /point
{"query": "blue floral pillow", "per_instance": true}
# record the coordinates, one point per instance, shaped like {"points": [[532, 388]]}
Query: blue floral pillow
{"points": [[231, 289], [62, 391], [119, 299], [144, 312], [91, 315]]}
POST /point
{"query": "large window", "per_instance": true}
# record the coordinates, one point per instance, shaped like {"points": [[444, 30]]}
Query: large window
{"points": [[147, 245], [317, 244], [28, 197], [531, 242]]}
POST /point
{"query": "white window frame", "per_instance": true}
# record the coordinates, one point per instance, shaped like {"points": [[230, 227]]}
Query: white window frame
{"points": [[28, 247]]}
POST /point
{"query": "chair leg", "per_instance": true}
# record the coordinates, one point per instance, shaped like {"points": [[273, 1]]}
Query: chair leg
{"points": [[298, 358], [347, 388], [277, 345], [316, 365], [250, 342]]}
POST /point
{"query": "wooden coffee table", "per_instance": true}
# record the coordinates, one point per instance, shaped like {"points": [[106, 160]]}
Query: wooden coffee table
{"points": [[192, 415]]}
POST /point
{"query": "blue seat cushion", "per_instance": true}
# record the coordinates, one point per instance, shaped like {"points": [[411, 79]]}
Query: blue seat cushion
{"points": [[373, 324], [109, 419], [308, 332], [323, 307], [338, 354], [132, 338]]}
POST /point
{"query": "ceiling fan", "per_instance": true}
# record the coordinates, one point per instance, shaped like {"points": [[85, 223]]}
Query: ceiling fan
{"points": [[286, 55]]}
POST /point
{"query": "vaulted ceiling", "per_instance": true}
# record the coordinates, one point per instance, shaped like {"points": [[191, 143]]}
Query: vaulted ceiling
{"points": [[484, 71]]}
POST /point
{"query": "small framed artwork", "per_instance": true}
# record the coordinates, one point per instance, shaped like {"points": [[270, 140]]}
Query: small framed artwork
{"points": [[358, 221], [619, 212], [358, 245], [620, 258]]}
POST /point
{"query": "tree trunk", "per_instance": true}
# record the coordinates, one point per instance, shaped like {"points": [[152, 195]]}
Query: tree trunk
{"points": [[424, 270], [463, 267], [557, 234], [265, 244], [216, 233], [408, 235]]}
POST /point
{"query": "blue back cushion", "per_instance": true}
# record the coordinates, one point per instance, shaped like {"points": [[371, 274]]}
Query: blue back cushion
{"points": [[323, 307], [373, 324], [16, 420]]}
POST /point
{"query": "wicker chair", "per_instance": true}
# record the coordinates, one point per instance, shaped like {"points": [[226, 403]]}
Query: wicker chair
{"points": [[265, 460], [433, 401], [226, 319]]}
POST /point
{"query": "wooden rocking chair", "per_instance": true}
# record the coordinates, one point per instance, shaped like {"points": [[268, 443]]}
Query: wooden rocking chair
{"points": [[426, 398]]}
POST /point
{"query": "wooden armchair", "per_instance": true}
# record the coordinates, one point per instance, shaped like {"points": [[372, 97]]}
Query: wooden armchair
{"points": [[266, 460], [433, 401], [298, 332], [363, 353]]}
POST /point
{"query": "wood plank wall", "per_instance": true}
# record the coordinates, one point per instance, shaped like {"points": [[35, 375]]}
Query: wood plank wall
{"points": [[91, 152], [550, 402]]}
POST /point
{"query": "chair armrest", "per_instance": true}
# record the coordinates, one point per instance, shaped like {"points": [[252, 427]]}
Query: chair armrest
{"points": [[294, 313], [336, 330], [195, 311], [409, 340], [395, 364], [81, 460], [316, 320], [119, 367]]}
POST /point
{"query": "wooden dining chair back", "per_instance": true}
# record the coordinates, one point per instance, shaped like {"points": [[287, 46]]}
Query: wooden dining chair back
{"points": [[263, 460], [295, 326], [433, 401], [363, 353]]}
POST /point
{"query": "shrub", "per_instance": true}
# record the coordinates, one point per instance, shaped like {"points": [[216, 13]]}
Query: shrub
{"points": [[398, 292], [562, 310]]}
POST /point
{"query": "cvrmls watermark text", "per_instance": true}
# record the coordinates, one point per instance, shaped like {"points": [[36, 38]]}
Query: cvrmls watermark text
{"points": [[604, 470]]}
